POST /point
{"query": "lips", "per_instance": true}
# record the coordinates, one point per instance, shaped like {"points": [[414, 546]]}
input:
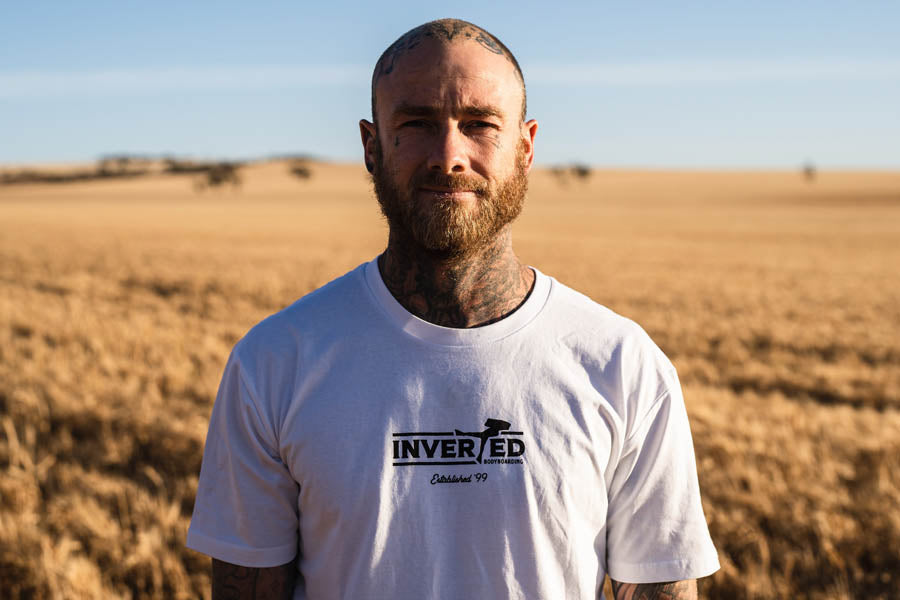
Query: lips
{"points": [[448, 193], [442, 190], [449, 186], [433, 190]]}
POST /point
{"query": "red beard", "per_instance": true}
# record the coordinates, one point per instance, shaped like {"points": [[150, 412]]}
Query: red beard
{"points": [[446, 226]]}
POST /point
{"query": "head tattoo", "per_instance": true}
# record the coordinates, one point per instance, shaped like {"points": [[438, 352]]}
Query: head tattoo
{"points": [[445, 31]]}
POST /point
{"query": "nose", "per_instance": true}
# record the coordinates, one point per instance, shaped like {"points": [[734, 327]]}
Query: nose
{"points": [[448, 153]]}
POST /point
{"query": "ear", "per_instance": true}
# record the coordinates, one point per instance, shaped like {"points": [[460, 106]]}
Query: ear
{"points": [[529, 130], [367, 132]]}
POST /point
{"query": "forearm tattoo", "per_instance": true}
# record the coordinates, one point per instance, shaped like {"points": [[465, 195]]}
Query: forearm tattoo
{"points": [[673, 590]]}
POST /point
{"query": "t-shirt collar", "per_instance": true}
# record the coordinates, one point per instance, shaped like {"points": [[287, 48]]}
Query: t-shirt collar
{"points": [[452, 336]]}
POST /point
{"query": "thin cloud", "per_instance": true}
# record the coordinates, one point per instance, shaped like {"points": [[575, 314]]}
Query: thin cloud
{"points": [[148, 81], [722, 71], [43, 84]]}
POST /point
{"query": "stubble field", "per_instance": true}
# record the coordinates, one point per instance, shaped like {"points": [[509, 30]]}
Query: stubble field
{"points": [[777, 299]]}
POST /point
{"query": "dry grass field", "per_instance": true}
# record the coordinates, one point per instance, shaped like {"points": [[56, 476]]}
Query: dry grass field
{"points": [[777, 299]]}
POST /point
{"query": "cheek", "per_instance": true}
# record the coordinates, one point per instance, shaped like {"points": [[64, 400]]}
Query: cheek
{"points": [[409, 141], [499, 146], [499, 157], [405, 150], [401, 168]]}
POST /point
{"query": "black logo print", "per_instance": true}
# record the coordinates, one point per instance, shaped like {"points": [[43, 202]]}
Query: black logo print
{"points": [[459, 447]]}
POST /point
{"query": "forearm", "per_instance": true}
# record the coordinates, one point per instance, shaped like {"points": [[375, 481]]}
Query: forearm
{"points": [[673, 590], [234, 582]]}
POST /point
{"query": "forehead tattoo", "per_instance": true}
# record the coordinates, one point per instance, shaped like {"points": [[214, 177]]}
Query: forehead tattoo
{"points": [[445, 31]]}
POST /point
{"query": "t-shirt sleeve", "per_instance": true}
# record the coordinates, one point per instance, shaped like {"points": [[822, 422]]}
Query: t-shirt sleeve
{"points": [[246, 508], [656, 529]]}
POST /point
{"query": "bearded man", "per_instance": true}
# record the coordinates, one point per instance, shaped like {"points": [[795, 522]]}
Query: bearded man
{"points": [[346, 456]]}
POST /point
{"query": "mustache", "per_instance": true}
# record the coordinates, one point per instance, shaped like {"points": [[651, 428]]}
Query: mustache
{"points": [[450, 181]]}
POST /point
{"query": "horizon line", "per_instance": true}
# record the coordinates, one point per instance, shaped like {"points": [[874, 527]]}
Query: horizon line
{"points": [[608, 166]]}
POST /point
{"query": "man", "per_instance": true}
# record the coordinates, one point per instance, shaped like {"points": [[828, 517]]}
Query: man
{"points": [[346, 456]]}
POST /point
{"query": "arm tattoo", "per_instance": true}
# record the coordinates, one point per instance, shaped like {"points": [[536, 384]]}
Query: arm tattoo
{"points": [[673, 590], [234, 582]]}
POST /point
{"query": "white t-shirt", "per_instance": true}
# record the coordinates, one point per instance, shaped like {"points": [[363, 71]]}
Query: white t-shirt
{"points": [[404, 460]]}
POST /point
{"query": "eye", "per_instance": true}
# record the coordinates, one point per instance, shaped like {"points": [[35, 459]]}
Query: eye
{"points": [[478, 127], [414, 123]]}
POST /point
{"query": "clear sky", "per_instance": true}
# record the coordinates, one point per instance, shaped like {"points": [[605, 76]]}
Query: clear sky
{"points": [[652, 84]]}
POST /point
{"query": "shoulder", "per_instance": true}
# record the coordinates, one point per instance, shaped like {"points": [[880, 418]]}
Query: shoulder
{"points": [[621, 359], [320, 312], [272, 358], [600, 331], [274, 353]]}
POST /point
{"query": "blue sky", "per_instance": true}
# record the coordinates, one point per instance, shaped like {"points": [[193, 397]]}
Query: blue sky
{"points": [[666, 84]]}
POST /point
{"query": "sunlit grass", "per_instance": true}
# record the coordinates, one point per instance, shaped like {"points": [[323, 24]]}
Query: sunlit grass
{"points": [[777, 299]]}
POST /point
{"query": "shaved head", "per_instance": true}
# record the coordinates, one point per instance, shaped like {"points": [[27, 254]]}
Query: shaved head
{"points": [[445, 32]]}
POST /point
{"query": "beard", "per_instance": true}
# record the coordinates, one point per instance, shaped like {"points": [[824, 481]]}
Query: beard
{"points": [[444, 226]]}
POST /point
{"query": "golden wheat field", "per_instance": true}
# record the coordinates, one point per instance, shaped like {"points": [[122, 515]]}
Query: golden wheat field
{"points": [[778, 300]]}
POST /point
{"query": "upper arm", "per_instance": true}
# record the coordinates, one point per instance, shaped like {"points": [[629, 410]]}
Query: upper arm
{"points": [[246, 509], [672, 590], [234, 582], [656, 529]]}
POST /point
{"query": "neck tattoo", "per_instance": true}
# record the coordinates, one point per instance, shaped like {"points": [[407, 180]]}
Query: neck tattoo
{"points": [[465, 291]]}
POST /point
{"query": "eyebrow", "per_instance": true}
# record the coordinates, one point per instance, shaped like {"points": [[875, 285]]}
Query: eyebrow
{"points": [[424, 110]]}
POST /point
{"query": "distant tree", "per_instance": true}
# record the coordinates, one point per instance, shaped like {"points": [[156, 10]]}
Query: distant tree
{"points": [[581, 171], [103, 170], [218, 175], [300, 169], [564, 174], [809, 172], [175, 166]]}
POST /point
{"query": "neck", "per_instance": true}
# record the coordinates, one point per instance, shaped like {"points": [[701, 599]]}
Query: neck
{"points": [[469, 290]]}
